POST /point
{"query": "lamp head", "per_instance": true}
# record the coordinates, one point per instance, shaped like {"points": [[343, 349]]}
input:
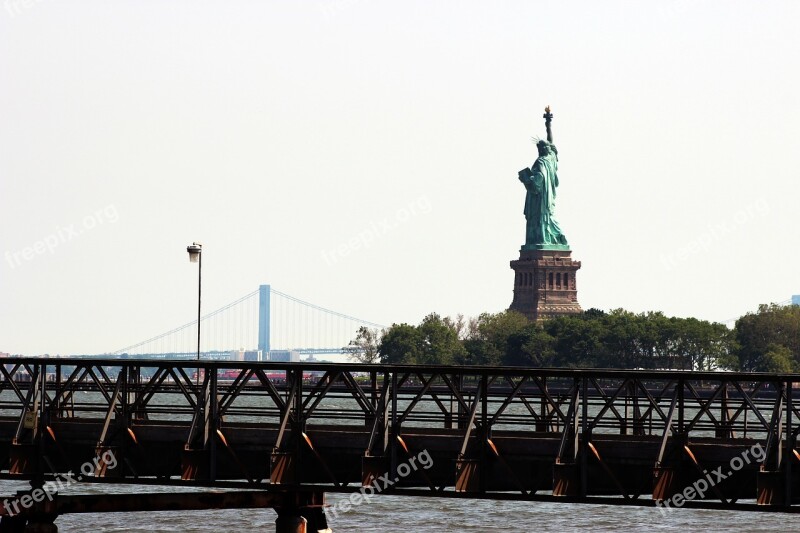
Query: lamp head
{"points": [[194, 250]]}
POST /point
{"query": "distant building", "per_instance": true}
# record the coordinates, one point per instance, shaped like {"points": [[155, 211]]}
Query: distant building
{"points": [[252, 355], [284, 356], [245, 355]]}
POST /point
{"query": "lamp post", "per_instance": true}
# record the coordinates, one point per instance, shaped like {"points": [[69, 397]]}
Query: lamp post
{"points": [[196, 256]]}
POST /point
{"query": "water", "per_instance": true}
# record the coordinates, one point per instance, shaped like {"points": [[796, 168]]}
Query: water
{"points": [[405, 514]]}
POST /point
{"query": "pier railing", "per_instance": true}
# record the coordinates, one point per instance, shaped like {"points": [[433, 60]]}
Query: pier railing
{"points": [[625, 436]]}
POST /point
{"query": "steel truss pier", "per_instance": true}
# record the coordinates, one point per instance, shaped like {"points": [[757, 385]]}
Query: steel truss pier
{"points": [[292, 431]]}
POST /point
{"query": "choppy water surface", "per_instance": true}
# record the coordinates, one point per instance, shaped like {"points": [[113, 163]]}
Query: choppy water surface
{"points": [[414, 514]]}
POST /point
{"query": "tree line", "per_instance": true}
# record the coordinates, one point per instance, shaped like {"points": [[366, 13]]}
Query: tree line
{"points": [[764, 341]]}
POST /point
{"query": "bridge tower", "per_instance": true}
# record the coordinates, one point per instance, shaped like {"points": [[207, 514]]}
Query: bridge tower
{"points": [[263, 320]]}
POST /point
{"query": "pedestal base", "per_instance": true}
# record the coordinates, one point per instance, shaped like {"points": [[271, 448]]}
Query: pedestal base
{"points": [[545, 284]]}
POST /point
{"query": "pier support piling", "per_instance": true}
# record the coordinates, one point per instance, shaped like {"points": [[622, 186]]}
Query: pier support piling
{"points": [[291, 524], [302, 520]]}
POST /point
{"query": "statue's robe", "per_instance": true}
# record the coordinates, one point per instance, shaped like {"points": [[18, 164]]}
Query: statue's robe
{"points": [[540, 182]]}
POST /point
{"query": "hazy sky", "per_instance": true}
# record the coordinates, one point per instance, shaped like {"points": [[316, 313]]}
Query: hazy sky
{"points": [[363, 155]]}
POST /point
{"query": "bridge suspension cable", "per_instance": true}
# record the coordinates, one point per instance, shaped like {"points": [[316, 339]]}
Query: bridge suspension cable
{"points": [[330, 312], [191, 324], [290, 324], [296, 324]]}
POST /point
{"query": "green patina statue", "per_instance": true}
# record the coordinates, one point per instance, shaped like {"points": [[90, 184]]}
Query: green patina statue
{"points": [[542, 230]]}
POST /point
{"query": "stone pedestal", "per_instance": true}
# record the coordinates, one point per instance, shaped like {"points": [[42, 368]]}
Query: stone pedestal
{"points": [[545, 284]]}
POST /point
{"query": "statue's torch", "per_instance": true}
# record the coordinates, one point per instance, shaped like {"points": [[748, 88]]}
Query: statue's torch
{"points": [[548, 117]]}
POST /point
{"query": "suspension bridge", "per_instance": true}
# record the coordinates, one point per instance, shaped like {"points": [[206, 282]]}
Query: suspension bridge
{"points": [[263, 325]]}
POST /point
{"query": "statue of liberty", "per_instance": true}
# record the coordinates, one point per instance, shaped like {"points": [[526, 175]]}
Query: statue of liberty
{"points": [[541, 180]]}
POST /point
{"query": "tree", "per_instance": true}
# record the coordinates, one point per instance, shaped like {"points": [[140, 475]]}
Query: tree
{"points": [[578, 340], [488, 340], [533, 346], [400, 344], [616, 339], [364, 348], [440, 344], [622, 340], [458, 324], [765, 332], [704, 345], [433, 342], [779, 359]]}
